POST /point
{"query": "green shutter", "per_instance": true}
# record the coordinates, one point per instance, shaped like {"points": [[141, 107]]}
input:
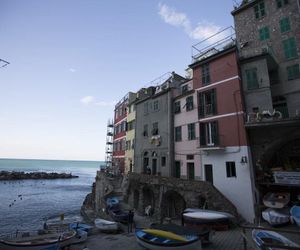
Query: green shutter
{"points": [[285, 24], [200, 105], [251, 78], [264, 33], [293, 72], [289, 47]]}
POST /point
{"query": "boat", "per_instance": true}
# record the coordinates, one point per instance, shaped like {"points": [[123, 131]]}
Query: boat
{"points": [[81, 226], [37, 240], [204, 234], [295, 213], [119, 215], [81, 236], [112, 202], [276, 200], [262, 237], [276, 217], [195, 218], [106, 226], [155, 239]]}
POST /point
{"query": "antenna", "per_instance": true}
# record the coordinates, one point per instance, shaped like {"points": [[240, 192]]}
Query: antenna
{"points": [[5, 63]]}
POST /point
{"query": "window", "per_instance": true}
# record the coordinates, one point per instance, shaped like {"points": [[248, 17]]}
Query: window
{"points": [[190, 157], [177, 108], [155, 106], [259, 10], [155, 128], [189, 103], [281, 3], [285, 24], [130, 125], [251, 78], [146, 108], [184, 89], [289, 47], [264, 33], [207, 103], [191, 131], [145, 133], [163, 161], [132, 144], [178, 133], [280, 104], [230, 169], [128, 145], [205, 74], [293, 72], [209, 134]]}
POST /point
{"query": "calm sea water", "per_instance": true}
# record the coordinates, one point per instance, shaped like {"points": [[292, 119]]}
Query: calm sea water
{"points": [[27, 204]]}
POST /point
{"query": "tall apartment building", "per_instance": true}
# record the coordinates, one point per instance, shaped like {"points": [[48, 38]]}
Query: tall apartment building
{"points": [[268, 36], [119, 139], [186, 133], [154, 146], [225, 153]]}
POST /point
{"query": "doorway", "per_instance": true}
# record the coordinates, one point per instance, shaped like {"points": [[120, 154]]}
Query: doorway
{"points": [[209, 173]]}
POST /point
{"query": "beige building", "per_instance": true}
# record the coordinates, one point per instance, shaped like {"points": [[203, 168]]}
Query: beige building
{"points": [[129, 149]]}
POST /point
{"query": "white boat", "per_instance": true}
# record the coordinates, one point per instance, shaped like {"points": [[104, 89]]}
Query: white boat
{"points": [[262, 237], [192, 217], [276, 217], [106, 226], [154, 239], [276, 200], [37, 240]]}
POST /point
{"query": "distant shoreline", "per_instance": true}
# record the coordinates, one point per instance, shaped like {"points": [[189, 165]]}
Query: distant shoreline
{"points": [[16, 175]]}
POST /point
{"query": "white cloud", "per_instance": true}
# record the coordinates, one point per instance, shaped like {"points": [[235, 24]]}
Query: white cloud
{"points": [[202, 31], [72, 70], [87, 100]]}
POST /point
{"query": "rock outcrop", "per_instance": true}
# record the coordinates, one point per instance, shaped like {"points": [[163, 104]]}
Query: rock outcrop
{"points": [[13, 175]]}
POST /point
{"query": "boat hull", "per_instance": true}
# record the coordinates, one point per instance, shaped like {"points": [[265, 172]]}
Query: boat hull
{"points": [[9, 246], [276, 200], [262, 236], [106, 226], [155, 242], [295, 212], [276, 217]]}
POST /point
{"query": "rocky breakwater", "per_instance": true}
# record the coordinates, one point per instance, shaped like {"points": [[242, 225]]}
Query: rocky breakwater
{"points": [[13, 175]]}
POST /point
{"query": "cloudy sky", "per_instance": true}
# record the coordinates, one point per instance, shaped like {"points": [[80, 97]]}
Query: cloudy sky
{"points": [[71, 60]]}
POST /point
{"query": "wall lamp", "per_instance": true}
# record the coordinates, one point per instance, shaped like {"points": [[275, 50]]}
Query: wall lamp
{"points": [[244, 159]]}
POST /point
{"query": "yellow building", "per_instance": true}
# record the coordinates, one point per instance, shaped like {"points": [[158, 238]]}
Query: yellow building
{"points": [[130, 134]]}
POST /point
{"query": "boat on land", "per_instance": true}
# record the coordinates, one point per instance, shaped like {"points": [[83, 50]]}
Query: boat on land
{"points": [[276, 217], [119, 215], [204, 234], [295, 213], [112, 202], [263, 237], [81, 226], [276, 200], [106, 226], [37, 240], [201, 218], [155, 239]]}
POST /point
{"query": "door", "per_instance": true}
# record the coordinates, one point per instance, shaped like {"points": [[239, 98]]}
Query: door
{"points": [[146, 164], [191, 170], [177, 169], [209, 173], [154, 166]]}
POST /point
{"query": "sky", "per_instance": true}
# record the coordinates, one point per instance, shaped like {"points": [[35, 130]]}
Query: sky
{"points": [[72, 60]]}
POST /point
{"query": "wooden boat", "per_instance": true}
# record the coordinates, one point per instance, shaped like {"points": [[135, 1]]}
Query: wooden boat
{"points": [[276, 200], [154, 239], [81, 226], [262, 237], [276, 217], [106, 226], [200, 218], [204, 234], [295, 213], [37, 240], [81, 236], [119, 215]]}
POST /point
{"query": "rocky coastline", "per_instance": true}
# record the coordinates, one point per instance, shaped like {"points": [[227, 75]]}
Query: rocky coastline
{"points": [[14, 175]]}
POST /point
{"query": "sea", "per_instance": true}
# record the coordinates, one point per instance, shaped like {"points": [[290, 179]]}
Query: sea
{"points": [[28, 204]]}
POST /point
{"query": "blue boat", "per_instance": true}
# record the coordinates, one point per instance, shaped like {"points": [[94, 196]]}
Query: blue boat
{"points": [[154, 239], [112, 202], [81, 226], [295, 212], [263, 237]]}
